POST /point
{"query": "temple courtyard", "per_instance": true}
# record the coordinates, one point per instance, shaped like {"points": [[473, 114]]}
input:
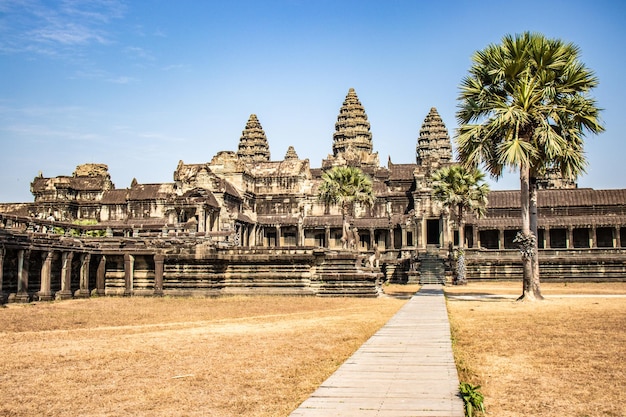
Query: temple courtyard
{"points": [[263, 356]]}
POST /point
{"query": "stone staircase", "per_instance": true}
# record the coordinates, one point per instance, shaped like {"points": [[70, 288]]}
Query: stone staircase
{"points": [[432, 269]]}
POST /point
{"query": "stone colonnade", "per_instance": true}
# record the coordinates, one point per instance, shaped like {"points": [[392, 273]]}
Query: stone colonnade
{"points": [[24, 292], [553, 237]]}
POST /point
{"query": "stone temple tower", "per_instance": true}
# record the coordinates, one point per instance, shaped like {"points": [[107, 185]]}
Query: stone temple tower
{"points": [[352, 140], [433, 144], [253, 146]]}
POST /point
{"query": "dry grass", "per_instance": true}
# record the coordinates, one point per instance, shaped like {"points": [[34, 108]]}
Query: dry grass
{"points": [[253, 356], [560, 357]]}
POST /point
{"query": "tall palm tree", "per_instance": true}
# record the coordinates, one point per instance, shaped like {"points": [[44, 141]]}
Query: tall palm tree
{"points": [[345, 186], [462, 190], [525, 105]]}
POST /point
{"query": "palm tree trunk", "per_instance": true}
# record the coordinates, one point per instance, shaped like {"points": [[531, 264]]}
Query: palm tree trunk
{"points": [[524, 176], [535, 287], [461, 219]]}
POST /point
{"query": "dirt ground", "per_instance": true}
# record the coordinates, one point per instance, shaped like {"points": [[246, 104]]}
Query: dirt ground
{"points": [[563, 356], [234, 356]]}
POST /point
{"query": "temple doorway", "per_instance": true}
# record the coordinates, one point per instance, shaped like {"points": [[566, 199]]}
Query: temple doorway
{"points": [[433, 232]]}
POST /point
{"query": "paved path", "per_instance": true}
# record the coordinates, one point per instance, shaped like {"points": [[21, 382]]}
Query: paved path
{"points": [[405, 370]]}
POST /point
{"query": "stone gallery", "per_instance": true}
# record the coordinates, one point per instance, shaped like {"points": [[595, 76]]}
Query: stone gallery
{"points": [[244, 223]]}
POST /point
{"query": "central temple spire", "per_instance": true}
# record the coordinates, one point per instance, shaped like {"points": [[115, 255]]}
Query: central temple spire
{"points": [[253, 146], [352, 140]]}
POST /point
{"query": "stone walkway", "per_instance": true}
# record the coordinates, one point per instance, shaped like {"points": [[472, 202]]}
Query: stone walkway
{"points": [[405, 370]]}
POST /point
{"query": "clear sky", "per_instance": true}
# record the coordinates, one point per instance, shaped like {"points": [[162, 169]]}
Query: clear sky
{"points": [[140, 85]]}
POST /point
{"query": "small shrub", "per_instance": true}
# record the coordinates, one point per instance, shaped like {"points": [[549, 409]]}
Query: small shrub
{"points": [[472, 398]]}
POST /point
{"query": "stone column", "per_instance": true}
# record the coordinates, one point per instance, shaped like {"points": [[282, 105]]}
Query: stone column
{"points": [[391, 239], [476, 236], [593, 237], [201, 220], [569, 243], [23, 257], [159, 260], [2, 253], [372, 238], [44, 293], [83, 290], [278, 237], [423, 235], [101, 276], [617, 240], [129, 264], [327, 236], [66, 276], [500, 238], [403, 229], [546, 238]]}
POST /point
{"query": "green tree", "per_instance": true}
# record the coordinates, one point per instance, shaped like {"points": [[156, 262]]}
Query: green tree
{"points": [[344, 186], [462, 190], [525, 105]]}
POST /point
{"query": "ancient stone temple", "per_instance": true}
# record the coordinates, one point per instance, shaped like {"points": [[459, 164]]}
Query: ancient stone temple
{"points": [[243, 223]]}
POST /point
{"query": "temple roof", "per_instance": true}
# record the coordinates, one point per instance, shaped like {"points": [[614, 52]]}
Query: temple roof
{"points": [[253, 144], [150, 191], [560, 198]]}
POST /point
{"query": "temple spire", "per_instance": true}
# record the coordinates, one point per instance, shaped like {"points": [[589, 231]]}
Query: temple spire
{"points": [[352, 139], [291, 154], [433, 144], [253, 146]]}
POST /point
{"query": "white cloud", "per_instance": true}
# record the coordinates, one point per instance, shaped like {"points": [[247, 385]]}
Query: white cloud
{"points": [[40, 27]]}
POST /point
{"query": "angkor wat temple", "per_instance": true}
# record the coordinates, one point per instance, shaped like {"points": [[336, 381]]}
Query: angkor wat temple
{"points": [[245, 223]]}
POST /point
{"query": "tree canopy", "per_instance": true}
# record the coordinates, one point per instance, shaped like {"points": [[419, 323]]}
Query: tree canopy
{"points": [[344, 186]]}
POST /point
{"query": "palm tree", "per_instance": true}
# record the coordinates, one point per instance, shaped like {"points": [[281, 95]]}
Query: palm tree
{"points": [[525, 105], [345, 186], [462, 190]]}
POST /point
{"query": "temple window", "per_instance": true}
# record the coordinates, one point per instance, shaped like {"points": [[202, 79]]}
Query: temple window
{"points": [[509, 236], [604, 237], [581, 238], [558, 238], [489, 239]]}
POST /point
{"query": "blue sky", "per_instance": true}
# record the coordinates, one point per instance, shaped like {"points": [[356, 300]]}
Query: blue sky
{"points": [[140, 85]]}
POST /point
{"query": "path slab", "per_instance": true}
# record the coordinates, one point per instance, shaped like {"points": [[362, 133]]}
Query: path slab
{"points": [[406, 369]]}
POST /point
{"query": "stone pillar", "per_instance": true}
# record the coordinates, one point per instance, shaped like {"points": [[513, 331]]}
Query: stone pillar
{"points": [[44, 293], [327, 236], [372, 238], [569, 243], [617, 239], [593, 238], [129, 264], [83, 290], [500, 238], [423, 236], [101, 275], [403, 229], [278, 237], [546, 237], [391, 239], [23, 257], [2, 253], [66, 276], [159, 260], [201, 220], [475, 236]]}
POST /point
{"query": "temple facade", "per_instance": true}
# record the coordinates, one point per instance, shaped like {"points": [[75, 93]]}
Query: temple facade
{"points": [[244, 199]]}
